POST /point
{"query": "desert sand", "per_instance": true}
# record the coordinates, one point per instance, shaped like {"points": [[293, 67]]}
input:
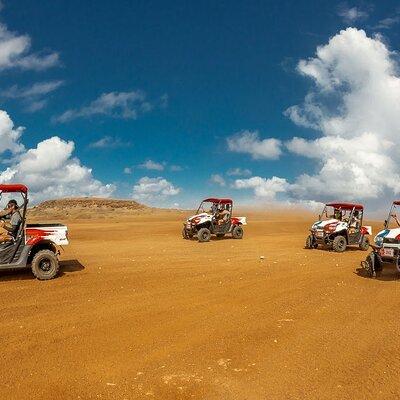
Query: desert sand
{"points": [[139, 313]]}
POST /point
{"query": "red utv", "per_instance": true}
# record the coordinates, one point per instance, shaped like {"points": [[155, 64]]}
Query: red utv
{"points": [[207, 221], [32, 246]]}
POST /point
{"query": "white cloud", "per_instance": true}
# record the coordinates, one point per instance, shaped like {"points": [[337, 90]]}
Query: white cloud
{"points": [[32, 96], [354, 104], [15, 52], [249, 142], [9, 135], [128, 170], [218, 179], [351, 14], [50, 170], [154, 190], [262, 187], [152, 165], [108, 142], [238, 172], [389, 22], [127, 105]]}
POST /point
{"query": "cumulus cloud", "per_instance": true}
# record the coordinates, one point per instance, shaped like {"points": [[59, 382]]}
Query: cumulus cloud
{"points": [[15, 52], [152, 190], [9, 135], [34, 96], [126, 105], [266, 189], [249, 142], [218, 179], [50, 170], [354, 105]]}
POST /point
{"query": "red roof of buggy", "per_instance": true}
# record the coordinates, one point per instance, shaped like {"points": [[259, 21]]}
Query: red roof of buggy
{"points": [[13, 188], [346, 206], [220, 201]]}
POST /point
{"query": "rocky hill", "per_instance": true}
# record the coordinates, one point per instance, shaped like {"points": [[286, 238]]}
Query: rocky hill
{"points": [[85, 208]]}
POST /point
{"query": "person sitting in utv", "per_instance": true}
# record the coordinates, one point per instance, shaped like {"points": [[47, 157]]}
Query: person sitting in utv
{"points": [[337, 214], [9, 230], [222, 215], [355, 220]]}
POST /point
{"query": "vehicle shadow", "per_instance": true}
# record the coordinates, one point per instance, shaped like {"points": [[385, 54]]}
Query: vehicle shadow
{"points": [[386, 275], [66, 267], [348, 249], [213, 238]]}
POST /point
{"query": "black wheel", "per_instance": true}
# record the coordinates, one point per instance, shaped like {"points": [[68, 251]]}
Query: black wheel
{"points": [[310, 242], [184, 234], [204, 235], [45, 265], [371, 265], [220, 235], [339, 244], [364, 245], [237, 232]]}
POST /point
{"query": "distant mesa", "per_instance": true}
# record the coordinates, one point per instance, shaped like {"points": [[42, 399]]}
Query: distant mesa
{"points": [[85, 208], [90, 203]]}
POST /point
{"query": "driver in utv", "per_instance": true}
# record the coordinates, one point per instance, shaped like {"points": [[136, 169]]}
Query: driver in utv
{"points": [[9, 230], [222, 215]]}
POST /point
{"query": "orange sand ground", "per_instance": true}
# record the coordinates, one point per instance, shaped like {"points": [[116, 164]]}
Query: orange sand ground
{"points": [[140, 313]]}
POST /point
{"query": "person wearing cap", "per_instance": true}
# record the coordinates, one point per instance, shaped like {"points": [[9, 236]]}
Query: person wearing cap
{"points": [[222, 215], [9, 230]]}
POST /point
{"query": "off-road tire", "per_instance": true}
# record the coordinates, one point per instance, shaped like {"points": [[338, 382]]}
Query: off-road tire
{"points": [[204, 235], [339, 244], [364, 245], [310, 242], [220, 235], [372, 260], [45, 265], [184, 234], [367, 266], [237, 232]]}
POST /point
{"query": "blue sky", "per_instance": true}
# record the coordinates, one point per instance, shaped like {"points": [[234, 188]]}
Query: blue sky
{"points": [[186, 85]]}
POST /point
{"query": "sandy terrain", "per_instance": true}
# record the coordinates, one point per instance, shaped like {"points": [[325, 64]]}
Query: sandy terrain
{"points": [[139, 313]]}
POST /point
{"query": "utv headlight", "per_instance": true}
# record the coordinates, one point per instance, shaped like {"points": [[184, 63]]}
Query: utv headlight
{"points": [[379, 241]]}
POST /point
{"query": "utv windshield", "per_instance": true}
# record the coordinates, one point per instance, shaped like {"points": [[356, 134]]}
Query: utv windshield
{"points": [[207, 207], [393, 220], [339, 213], [211, 208]]}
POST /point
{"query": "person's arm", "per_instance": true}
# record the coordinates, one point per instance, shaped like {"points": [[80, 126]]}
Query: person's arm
{"points": [[6, 226], [5, 212]]}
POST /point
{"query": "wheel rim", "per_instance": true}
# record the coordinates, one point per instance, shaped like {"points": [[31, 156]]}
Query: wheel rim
{"points": [[204, 235], [45, 265]]}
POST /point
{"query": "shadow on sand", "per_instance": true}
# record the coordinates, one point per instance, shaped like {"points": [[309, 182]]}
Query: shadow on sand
{"points": [[388, 274], [66, 267]]}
